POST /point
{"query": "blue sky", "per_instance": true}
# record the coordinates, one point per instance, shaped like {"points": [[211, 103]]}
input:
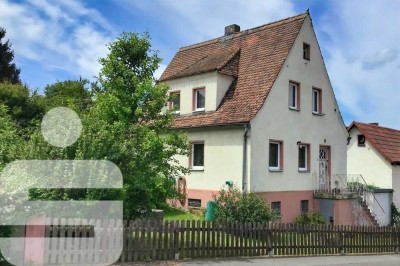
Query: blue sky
{"points": [[360, 40]]}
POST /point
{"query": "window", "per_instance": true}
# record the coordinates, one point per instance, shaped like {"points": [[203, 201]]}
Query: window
{"points": [[199, 99], [175, 102], [304, 206], [275, 156], [194, 203], [304, 157], [197, 156], [316, 101], [276, 206], [306, 51], [294, 95], [361, 140]]}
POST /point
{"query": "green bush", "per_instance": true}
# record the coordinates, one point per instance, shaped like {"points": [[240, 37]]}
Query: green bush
{"points": [[395, 216], [311, 217], [233, 205]]}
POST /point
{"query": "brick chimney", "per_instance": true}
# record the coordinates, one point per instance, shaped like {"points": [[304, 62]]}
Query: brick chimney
{"points": [[231, 29]]}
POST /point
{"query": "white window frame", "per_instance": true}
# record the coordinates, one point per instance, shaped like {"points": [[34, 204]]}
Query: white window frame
{"points": [[172, 102], [316, 104], [296, 96], [305, 168], [196, 167], [195, 99], [278, 167]]}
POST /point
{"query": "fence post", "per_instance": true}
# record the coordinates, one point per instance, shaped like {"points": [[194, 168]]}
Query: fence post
{"points": [[175, 225], [341, 239], [397, 229], [270, 227]]}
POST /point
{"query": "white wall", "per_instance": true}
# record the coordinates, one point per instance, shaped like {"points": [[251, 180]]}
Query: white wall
{"points": [[396, 185], [368, 162], [223, 160], [215, 85], [277, 121]]}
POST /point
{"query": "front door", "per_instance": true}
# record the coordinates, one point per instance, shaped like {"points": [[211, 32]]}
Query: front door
{"points": [[324, 180]]}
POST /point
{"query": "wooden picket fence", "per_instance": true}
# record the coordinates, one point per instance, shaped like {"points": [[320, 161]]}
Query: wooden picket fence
{"points": [[158, 240]]}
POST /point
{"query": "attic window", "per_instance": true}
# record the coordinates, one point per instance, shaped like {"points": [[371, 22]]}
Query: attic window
{"points": [[306, 51], [199, 98], [361, 140], [294, 96]]}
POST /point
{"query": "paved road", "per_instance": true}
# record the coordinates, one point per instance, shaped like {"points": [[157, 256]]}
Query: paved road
{"points": [[366, 260]]}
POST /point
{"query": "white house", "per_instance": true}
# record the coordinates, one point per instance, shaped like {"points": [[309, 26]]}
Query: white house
{"points": [[260, 111], [374, 152]]}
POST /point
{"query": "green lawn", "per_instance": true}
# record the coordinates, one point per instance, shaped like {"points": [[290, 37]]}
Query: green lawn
{"points": [[176, 214]]}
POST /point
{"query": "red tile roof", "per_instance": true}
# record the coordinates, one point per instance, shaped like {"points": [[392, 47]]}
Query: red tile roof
{"points": [[385, 140], [254, 56]]}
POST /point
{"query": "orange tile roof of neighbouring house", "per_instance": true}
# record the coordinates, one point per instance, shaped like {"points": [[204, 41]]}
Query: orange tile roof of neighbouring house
{"points": [[254, 57], [385, 140]]}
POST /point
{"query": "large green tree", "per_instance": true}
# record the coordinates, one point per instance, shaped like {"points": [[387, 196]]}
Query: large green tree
{"points": [[8, 70], [127, 126]]}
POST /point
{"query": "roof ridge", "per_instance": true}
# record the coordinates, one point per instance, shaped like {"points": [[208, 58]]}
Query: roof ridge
{"points": [[372, 125], [248, 31]]}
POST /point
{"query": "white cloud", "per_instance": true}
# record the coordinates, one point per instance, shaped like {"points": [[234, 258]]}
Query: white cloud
{"points": [[363, 63], [380, 58], [57, 34], [195, 21]]}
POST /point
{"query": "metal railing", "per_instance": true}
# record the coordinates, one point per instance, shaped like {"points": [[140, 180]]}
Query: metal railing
{"points": [[346, 184]]}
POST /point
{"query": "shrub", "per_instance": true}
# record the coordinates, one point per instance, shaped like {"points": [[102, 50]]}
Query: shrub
{"points": [[395, 216], [311, 217], [233, 205]]}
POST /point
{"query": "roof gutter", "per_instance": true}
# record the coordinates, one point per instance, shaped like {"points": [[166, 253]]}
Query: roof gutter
{"points": [[244, 164]]}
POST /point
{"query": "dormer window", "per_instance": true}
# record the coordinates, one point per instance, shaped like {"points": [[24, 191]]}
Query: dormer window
{"points": [[199, 99], [306, 51], [175, 104]]}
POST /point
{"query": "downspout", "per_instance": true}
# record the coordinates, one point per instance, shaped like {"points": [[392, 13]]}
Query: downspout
{"points": [[244, 164]]}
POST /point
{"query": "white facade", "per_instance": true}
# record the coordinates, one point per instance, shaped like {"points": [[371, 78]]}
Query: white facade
{"points": [[275, 121], [215, 86], [224, 145], [368, 162], [223, 149]]}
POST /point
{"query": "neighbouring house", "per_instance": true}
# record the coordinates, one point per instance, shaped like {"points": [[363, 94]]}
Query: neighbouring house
{"points": [[374, 152], [260, 112]]}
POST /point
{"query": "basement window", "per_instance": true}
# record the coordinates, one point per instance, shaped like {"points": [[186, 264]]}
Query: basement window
{"points": [[194, 203], [276, 207]]}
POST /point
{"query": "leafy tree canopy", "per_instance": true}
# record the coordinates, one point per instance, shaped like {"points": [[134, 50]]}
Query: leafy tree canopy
{"points": [[8, 71], [24, 106], [70, 93]]}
